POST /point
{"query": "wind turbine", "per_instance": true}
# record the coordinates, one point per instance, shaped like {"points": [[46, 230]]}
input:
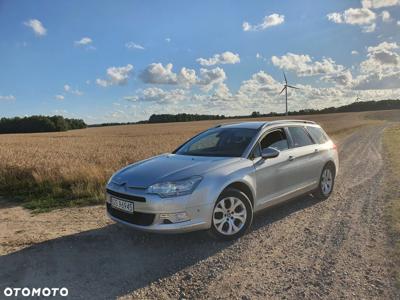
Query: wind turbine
{"points": [[285, 88]]}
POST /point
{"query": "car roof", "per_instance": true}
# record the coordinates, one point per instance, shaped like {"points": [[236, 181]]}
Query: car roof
{"points": [[259, 124]]}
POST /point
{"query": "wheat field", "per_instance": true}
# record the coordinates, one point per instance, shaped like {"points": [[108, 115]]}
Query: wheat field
{"points": [[49, 170]]}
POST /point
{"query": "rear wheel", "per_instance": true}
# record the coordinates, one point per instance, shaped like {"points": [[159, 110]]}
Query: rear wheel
{"points": [[326, 183], [232, 215]]}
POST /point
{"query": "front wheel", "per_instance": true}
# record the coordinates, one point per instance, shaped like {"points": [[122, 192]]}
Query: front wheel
{"points": [[326, 183], [232, 215]]}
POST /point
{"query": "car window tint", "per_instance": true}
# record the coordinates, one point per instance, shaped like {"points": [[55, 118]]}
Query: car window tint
{"points": [[209, 141], [317, 134], [224, 142], [276, 139], [300, 137]]}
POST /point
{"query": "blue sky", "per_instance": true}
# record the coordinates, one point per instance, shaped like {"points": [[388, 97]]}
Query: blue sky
{"points": [[118, 61]]}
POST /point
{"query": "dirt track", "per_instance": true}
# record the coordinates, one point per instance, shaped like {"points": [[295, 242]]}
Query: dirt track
{"points": [[303, 249]]}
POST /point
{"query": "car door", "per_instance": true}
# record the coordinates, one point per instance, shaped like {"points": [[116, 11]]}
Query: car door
{"points": [[272, 175], [304, 160]]}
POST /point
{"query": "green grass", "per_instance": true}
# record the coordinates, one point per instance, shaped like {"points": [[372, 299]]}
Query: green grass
{"points": [[47, 195], [392, 151]]}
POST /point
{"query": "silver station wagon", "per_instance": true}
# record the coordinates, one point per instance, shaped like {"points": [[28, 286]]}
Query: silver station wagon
{"points": [[218, 179]]}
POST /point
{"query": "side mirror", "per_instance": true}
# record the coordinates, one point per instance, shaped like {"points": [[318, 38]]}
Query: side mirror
{"points": [[269, 153]]}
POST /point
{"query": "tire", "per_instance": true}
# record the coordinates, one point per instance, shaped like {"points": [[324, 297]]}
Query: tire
{"points": [[227, 223], [326, 182]]}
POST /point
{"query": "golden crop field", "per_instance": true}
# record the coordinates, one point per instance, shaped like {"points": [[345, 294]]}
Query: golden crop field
{"points": [[66, 168]]}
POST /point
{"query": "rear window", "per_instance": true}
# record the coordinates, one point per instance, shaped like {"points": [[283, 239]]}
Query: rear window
{"points": [[317, 134], [300, 137]]}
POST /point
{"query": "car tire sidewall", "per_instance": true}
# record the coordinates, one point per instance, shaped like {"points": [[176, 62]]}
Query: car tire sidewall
{"points": [[249, 208], [318, 193]]}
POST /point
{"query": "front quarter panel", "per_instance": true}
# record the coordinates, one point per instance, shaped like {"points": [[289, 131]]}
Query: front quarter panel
{"points": [[216, 181]]}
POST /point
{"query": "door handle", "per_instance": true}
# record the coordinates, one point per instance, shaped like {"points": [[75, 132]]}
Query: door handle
{"points": [[291, 158]]}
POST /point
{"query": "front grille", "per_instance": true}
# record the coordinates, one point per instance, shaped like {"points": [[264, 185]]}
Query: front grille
{"points": [[125, 196], [137, 218]]}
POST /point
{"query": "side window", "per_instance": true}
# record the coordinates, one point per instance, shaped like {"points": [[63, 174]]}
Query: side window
{"points": [[317, 134], [300, 137], [275, 139]]}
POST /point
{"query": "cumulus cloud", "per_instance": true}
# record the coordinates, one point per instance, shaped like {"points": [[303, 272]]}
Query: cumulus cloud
{"points": [[132, 45], [344, 78], [226, 57], [83, 41], [36, 26], [59, 97], [379, 3], [303, 65], [154, 94], [381, 69], [354, 52], [268, 21], [363, 17], [158, 74], [7, 97], [209, 78], [116, 76]]}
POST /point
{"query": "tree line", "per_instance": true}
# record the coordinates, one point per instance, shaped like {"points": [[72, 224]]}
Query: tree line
{"points": [[39, 124], [353, 107]]}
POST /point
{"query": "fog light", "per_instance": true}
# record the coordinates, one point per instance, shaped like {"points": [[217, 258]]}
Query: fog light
{"points": [[108, 198], [175, 217]]}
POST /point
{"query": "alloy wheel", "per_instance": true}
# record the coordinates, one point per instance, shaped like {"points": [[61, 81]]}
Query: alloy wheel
{"points": [[229, 215]]}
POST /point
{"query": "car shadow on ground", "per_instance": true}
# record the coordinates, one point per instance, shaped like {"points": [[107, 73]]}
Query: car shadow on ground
{"points": [[112, 261]]}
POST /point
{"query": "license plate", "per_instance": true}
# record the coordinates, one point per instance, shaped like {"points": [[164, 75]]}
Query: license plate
{"points": [[122, 205]]}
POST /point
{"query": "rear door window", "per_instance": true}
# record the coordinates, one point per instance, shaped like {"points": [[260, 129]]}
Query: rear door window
{"points": [[300, 137], [317, 134]]}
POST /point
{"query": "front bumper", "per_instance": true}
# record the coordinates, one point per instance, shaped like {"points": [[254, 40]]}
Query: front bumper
{"points": [[147, 215]]}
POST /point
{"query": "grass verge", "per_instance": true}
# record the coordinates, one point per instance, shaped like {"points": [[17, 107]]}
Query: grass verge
{"points": [[391, 141]]}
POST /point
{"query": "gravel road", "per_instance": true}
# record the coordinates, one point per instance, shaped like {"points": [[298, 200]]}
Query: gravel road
{"points": [[302, 249]]}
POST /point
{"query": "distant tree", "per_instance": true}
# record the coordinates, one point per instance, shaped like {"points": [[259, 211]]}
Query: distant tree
{"points": [[39, 124]]}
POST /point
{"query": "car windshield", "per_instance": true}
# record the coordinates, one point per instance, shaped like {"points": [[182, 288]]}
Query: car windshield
{"points": [[224, 142]]}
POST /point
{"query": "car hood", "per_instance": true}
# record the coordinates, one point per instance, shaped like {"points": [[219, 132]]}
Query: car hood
{"points": [[168, 167]]}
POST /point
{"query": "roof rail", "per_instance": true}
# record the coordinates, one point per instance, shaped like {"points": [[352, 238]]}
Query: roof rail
{"points": [[286, 121]]}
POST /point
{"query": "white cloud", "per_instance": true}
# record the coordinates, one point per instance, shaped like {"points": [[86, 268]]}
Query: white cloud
{"points": [[158, 74], [363, 17], [154, 94], [385, 16], [303, 64], [268, 21], [335, 17], [83, 41], [354, 52], [116, 76], [381, 69], [344, 78], [187, 77], [36, 26], [68, 89], [132, 45], [209, 78], [226, 57], [379, 3], [398, 23], [168, 40], [7, 97], [59, 97]]}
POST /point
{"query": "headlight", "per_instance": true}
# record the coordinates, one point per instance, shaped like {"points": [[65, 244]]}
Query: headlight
{"points": [[175, 188]]}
